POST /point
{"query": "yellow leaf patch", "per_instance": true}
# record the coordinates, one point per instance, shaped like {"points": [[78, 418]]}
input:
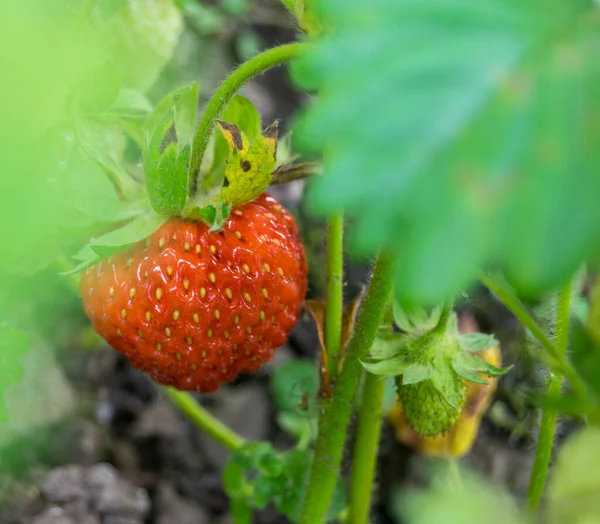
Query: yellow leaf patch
{"points": [[249, 166]]}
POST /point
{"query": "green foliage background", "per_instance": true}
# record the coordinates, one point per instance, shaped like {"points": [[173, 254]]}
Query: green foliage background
{"points": [[459, 134]]}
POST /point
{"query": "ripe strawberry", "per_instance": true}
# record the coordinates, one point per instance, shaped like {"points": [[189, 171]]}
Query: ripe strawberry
{"points": [[426, 409], [194, 308]]}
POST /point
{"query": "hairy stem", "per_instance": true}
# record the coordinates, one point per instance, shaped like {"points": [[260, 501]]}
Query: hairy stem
{"points": [[334, 303], [290, 4], [336, 416], [545, 442], [367, 439], [556, 358], [203, 419], [245, 72]]}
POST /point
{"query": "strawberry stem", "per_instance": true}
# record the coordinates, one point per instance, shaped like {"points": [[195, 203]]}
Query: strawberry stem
{"points": [[203, 419], [334, 303], [545, 442], [245, 72], [556, 358], [367, 438], [334, 421]]}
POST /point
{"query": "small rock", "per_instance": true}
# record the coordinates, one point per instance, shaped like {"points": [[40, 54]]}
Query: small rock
{"points": [[65, 484], [58, 515], [171, 508], [121, 498], [161, 420], [53, 515], [116, 519], [100, 475]]}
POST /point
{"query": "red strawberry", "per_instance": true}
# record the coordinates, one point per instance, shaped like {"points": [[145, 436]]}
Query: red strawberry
{"points": [[195, 308]]}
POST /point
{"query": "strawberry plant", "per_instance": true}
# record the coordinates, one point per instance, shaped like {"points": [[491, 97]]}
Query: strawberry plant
{"points": [[454, 144]]}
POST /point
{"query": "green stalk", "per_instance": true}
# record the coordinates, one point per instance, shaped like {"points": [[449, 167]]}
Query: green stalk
{"points": [[203, 419], [557, 358], [336, 416], [245, 72], [545, 442], [334, 303], [367, 439]]}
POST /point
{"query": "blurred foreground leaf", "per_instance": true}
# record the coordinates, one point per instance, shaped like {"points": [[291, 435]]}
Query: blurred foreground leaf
{"points": [[457, 500], [459, 133], [575, 481]]}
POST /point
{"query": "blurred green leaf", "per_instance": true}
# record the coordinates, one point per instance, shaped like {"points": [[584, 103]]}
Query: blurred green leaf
{"points": [[459, 133], [140, 35], [13, 344], [131, 103], [466, 501], [585, 355], [575, 480], [96, 90], [137, 229]]}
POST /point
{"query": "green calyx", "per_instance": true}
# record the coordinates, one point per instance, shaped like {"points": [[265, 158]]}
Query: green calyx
{"points": [[431, 368]]}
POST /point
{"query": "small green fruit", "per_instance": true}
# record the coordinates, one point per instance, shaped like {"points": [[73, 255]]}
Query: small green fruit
{"points": [[428, 412]]}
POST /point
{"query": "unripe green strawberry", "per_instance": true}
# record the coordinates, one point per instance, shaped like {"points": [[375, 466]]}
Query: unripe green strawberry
{"points": [[428, 412], [431, 368]]}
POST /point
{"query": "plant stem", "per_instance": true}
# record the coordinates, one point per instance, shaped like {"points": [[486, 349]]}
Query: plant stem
{"points": [[545, 442], [557, 359], [290, 4], [202, 418], [444, 316], [334, 303], [336, 416], [248, 70], [367, 439]]}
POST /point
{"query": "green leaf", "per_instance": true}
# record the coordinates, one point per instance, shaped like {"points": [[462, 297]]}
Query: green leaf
{"points": [[131, 103], [467, 361], [13, 344], [182, 103], [96, 90], [117, 240], [93, 193], [446, 381], [470, 501], [468, 374], [234, 480], [293, 381], [241, 112], [475, 342], [166, 165], [415, 373], [575, 480], [241, 512], [458, 133], [388, 347], [388, 368], [415, 319], [106, 146]]}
